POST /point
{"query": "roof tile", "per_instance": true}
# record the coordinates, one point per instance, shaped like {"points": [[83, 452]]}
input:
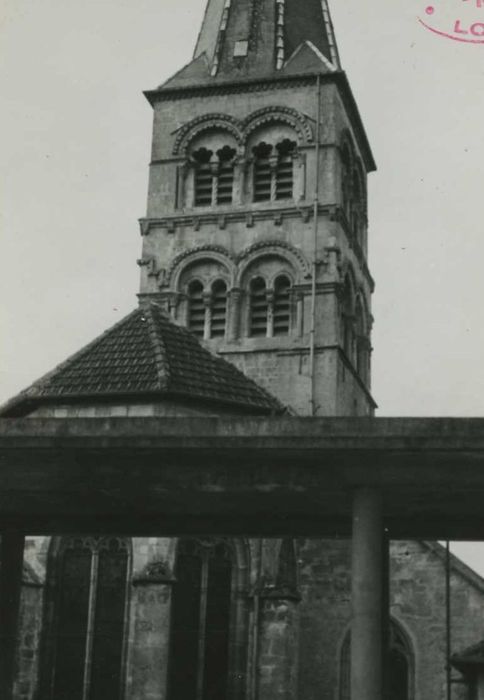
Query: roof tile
{"points": [[145, 353]]}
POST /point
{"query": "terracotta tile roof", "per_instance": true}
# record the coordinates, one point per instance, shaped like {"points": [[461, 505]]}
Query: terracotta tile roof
{"points": [[145, 355]]}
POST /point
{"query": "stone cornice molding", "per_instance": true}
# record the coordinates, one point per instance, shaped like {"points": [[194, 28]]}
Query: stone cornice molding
{"points": [[187, 257], [209, 217], [276, 82]]}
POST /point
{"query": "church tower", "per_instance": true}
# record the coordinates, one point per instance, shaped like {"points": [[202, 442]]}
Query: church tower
{"points": [[255, 236]]}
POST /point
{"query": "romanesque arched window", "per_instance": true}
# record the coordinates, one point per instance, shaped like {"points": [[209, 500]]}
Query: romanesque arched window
{"points": [[218, 309], [207, 310], [362, 341], [273, 171], [348, 320], [90, 584], [281, 316], [399, 667], [213, 176], [196, 309], [200, 620], [346, 181], [259, 307]]}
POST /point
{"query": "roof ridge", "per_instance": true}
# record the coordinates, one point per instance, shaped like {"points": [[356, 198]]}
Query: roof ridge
{"points": [[456, 564], [162, 366]]}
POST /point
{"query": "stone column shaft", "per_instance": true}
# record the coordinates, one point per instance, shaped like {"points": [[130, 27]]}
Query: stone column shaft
{"points": [[367, 597]]}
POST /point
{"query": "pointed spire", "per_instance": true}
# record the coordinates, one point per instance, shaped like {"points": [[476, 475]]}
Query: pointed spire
{"points": [[258, 38]]}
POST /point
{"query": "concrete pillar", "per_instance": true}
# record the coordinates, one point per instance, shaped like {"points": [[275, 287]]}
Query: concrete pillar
{"points": [[366, 631], [11, 557]]}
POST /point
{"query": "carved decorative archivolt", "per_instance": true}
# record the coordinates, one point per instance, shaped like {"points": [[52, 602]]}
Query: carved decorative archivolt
{"points": [[281, 114], [276, 248], [236, 266], [188, 257], [189, 131], [241, 129]]}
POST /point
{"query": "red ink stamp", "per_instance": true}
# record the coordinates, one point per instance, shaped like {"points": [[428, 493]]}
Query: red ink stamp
{"points": [[459, 20]]}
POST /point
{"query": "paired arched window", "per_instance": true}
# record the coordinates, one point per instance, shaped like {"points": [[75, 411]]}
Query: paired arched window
{"points": [[348, 320], [273, 177], [259, 308], [201, 608], [269, 310], [362, 341], [207, 312], [213, 176], [399, 666], [353, 194], [89, 619]]}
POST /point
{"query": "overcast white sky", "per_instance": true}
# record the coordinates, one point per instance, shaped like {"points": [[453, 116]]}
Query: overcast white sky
{"points": [[75, 141]]}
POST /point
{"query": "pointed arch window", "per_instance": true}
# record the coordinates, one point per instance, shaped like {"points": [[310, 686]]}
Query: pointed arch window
{"points": [[214, 176], [200, 633], [259, 308], [196, 309], [273, 171], [399, 667], [90, 611], [282, 306]]}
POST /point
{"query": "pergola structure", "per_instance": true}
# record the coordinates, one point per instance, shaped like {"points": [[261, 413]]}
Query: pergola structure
{"points": [[368, 479]]}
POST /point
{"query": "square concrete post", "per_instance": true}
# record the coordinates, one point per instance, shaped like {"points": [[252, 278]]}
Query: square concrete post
{"points": [[367, 597], [11, 554]]}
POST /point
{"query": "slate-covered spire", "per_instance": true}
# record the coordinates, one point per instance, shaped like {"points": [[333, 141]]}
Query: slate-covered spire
{"points": [[257, 38]]}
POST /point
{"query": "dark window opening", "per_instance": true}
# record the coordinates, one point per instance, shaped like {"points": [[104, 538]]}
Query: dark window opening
{"points": [[199, 654], [214, 176], [282, 306], [90, 619], [285, 169], [219, 309], [225, 184], [258, 307], [196, 309], [274, 171], [203, 177], [262, 173]]}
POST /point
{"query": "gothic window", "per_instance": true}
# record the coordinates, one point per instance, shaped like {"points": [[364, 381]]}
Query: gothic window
{"points": [[399, 667], [89, 619], [282, 306], [273, 177], [214, 176], [200, 632], [196, 309], [258, 307]]}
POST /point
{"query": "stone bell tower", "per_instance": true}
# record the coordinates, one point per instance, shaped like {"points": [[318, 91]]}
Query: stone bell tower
{"points": [[255, 236]]}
